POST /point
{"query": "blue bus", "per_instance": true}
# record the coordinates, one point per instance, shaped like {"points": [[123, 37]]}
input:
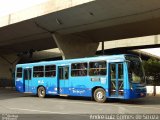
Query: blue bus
{"points": [[115, 76]]}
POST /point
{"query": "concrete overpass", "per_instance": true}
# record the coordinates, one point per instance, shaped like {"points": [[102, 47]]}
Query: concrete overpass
{"points": [[73, 24], [76, 27]]}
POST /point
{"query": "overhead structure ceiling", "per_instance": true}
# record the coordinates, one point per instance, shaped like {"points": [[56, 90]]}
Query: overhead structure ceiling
{"points": [[101, 20]]}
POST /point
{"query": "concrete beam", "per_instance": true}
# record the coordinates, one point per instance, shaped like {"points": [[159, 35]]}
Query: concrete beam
{"points": [[49, 6], [138, 43], [72, 46]]}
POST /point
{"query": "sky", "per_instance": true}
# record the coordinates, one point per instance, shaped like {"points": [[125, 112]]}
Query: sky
{"points": [[10, 6]]}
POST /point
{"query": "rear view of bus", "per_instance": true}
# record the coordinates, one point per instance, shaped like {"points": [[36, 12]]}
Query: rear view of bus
{"points": [[136, 78]]}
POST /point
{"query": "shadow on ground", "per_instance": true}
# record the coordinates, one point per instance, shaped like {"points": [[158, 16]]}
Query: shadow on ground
{"points": [[12, 93], [149, 100]]}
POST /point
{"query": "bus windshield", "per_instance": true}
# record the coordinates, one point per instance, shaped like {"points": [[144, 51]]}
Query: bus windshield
{"points": [[135, 69]]}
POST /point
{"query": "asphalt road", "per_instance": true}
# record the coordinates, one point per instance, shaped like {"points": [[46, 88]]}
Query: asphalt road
{"points": [[28, 106]]}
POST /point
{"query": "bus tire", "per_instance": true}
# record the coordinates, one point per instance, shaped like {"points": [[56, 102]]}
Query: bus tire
{"points": [[41, 92], [100, 95]]}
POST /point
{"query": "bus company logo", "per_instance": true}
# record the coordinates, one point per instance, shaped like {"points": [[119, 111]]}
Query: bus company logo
{"points": [[78, 91], [40, 81]]}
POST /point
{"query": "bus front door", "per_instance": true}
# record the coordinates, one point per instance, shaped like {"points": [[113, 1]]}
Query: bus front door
{"points": [[27, 79], [63, 77], [116, 80]]}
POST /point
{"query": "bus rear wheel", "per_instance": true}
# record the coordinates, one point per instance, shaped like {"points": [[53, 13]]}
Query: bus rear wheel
{"points": [[100, 95], [41, 92]]}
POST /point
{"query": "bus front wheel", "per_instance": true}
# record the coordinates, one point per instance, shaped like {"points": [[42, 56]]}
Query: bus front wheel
{"points": [[100, 95], [41, 92]]}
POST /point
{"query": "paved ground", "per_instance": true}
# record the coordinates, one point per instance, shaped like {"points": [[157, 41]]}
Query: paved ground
{"points": [[14, 103]]}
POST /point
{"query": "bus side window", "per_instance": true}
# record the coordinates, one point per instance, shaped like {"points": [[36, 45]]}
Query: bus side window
{"points": [[19, 73], [79, 69], [97, 68], [38, 71], [50, 70]]}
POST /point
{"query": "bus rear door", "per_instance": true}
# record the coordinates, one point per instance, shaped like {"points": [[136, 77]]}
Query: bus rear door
{"points": [[116, 80], [63, 77], [27, 72]]}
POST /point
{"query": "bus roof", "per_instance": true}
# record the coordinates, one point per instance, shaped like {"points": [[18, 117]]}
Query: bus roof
{"points": [[96, 58]]}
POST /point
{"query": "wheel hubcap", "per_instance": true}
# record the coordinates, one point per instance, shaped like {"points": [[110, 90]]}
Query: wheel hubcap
{"points": [[41, 92], [100, 95]]}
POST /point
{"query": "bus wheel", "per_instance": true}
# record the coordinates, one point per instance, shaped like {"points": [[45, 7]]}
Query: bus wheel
{"points": [[41, 92], [100, 95]]}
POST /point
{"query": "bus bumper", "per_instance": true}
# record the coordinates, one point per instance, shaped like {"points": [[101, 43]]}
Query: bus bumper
{"points": [[132, 94]]}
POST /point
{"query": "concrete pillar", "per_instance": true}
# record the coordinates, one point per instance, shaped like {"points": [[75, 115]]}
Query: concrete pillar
{"points": [[74, 46], [7, 68]]}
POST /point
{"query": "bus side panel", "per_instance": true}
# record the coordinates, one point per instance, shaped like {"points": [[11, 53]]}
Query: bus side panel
{"points": [[50, 84], [34, 85], [128, 94], [82, 86], [19, 84], [100, 81]]}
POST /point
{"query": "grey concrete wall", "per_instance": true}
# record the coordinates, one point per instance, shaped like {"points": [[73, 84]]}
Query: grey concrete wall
{"points": [[7, 67]]}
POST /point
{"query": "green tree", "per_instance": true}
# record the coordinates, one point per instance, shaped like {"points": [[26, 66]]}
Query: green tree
{"points": [[152, 71]]}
